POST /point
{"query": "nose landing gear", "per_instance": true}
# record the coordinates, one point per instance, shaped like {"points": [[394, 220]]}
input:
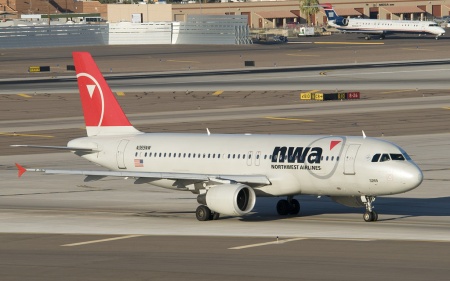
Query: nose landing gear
{"points": [[370, 214]]}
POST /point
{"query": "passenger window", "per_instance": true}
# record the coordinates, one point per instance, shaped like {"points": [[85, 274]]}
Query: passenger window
{"points": [[376, 157], [385, 157]]}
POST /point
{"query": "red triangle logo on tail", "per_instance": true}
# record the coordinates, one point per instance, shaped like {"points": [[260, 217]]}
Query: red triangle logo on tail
{"points": [[334, 143]]}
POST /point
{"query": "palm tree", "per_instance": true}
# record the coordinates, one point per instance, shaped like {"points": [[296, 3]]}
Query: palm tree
{"points": [[309, 8]]}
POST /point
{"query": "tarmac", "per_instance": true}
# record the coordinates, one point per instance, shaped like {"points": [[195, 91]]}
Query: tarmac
{"points": [[59, 227]]}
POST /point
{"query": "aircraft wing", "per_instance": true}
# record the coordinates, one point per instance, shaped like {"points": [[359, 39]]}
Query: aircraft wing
{"points": [[145, 177], [377, 32]]}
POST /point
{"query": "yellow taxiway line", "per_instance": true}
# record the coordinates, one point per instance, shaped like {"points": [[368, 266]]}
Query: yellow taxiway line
{"points": [[448, 107], [398, 91], [288, 119], [186, 61], [217, 93], [416, 49], [349, 43], [120, 94], [24, 95], [300, 55], [25, 135]]}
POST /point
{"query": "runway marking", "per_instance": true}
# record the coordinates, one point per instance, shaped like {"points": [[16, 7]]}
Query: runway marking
{"points": [[288, 119], [24, 95], [266, 243], [120, 94], [298, 55], [217, 93], [187, 61], [349, 43], [398, 91], [101, 240], [25, 135]]}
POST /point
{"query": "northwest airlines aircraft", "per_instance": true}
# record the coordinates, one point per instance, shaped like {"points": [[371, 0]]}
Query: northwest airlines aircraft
{"points": [[381, 27], [228, 172]]}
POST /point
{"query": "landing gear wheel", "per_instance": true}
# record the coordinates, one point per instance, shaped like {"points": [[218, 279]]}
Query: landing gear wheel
{"points": [[294, 207], [375, 216], [203, 213], [214, 216], [283, 207], [368, 216]]}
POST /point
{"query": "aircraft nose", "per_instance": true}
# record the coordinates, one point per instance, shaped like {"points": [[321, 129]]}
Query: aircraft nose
{"points": [[411, 177]]}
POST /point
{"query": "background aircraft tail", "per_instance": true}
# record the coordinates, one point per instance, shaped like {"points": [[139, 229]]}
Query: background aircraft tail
{"points": [[102, 113], [332, 16]]}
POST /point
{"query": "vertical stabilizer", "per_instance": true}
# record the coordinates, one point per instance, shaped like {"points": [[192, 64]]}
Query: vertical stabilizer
{"points": [[329, 11], [102, 113]]}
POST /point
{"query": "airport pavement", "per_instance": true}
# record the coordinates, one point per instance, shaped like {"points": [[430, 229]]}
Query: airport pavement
{"points": [[102, 257], [335, 49]]}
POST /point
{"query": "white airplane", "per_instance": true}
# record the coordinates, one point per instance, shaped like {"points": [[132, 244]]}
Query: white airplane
{"points": [[380, 27], [228, 171]]}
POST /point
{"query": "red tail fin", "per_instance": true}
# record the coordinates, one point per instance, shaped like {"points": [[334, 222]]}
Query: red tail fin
{"points": [[102, 113]]}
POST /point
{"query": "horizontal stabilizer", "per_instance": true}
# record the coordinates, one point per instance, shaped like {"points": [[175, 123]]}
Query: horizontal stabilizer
{"points": [[66, 148]]}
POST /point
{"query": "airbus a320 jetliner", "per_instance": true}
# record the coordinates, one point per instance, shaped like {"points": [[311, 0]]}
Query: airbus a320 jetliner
{"points": [[381, 27], [228, 172]]}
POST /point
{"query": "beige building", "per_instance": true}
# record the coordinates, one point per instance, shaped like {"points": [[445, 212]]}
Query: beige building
{"points": [[261, 14], [270, 14]]}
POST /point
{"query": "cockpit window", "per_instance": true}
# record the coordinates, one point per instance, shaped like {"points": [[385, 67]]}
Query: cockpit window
{"points": [[385, 157], [376, 157], [398, 157]]}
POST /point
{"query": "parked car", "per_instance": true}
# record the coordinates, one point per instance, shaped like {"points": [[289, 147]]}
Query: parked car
{"points": [[280, 38]]}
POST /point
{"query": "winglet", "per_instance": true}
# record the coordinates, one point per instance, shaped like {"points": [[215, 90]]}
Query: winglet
{"points": [[20, 170]]}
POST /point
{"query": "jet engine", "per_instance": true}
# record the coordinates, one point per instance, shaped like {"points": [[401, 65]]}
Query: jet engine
{"points": [[229, 199], [341, 21], [349, 201]]}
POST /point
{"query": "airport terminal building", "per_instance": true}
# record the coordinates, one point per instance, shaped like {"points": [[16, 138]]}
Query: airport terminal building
{"points": [[261, 14]]}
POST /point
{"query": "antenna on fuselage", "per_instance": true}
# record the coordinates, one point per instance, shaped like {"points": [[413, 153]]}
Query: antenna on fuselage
{"points": [[364, 134], [207, 130]]}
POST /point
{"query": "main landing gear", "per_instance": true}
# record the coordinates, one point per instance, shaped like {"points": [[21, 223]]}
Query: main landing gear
{"points": [[288, 207], [370, 214], [203, 213]]}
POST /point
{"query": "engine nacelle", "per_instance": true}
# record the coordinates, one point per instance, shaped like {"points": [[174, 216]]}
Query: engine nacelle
{"points": [[231, 199], [341, 21], [349, 201]]}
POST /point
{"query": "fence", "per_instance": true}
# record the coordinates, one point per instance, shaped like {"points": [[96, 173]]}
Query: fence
{"points": [[53, 35]]}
